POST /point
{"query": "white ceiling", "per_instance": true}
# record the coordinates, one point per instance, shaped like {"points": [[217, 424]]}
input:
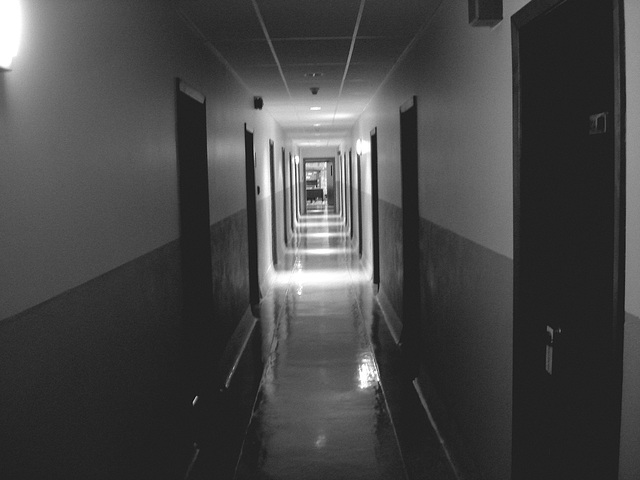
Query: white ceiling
{"points": [[275, 47]]}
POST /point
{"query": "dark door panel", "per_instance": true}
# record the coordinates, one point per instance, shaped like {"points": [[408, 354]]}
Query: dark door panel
{"points": [[252, 218], [410, 337], [195, 244], [566, 388], [374, 207]]}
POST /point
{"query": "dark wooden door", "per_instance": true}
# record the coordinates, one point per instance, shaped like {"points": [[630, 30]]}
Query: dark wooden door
{"points": [[195, 243], [566, 334], [300, 193], [292, 188], [410, 336], [345, 195], [374, 207], [343, 187], [338, 184], [284, 197], [272, 189], [350, 187], [252, 218], [359, 187]]}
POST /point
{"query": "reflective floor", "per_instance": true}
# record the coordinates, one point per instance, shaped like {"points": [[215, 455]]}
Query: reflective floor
{"points": [[321, 411]]}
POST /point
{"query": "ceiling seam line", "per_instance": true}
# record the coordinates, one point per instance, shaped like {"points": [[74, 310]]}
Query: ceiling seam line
{"points": [[273, 50], [351, 48], [331, 39], [216, 53], [207, 43], [405, 52]]}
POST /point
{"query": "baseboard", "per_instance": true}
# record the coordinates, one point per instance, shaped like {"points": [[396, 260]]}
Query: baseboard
{"points": [[393, 321], [448, 434], [235, 348], [462, 466]]}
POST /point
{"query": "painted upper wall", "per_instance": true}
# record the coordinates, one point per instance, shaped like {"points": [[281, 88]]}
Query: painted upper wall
{"points": [[462, 78], [632, 25], [88, 178], [465, 121], [383, 112], [630, 431]]}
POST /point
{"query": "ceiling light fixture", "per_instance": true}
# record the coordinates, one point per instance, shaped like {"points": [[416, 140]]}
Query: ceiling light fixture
{"points": [[10, 31], [315, 109]]}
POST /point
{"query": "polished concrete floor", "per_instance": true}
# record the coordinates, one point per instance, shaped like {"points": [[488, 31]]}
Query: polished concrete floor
{"points": [[322, 411], [333, 398]]}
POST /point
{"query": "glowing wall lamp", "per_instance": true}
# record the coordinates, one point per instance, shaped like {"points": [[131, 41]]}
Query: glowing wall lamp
{"points": [[10, 31], [359, 147], [297, 159]]}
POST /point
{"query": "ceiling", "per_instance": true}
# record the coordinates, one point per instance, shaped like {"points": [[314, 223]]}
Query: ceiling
{"points": [[280, 49]]}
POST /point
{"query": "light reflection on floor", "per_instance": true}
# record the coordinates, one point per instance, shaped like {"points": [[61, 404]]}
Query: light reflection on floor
{"points": [[318, 251], [320, 412]]}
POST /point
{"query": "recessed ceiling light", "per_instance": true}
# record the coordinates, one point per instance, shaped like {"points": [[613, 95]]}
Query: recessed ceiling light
{"points": [[317, 124], [315, 109], [313, 74]]}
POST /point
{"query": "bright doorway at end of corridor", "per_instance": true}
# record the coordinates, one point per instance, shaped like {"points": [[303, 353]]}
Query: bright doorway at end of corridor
{"points": [[320, 184]]}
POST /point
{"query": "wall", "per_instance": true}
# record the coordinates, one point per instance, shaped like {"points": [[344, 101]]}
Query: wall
{"points": [[630, 433], [91, 277], [465, 145], [265, 129], [88, 123], [384, 113], [462, 78]]}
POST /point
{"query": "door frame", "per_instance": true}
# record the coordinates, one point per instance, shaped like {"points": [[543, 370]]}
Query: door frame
{"points": [[195, 228], [292, 192], [527, 14], [350, 193], [338, 184], [330, 161], [375, 221], [252, 217], [272, 203], [284, 197], [410, 336], [359, 187]]}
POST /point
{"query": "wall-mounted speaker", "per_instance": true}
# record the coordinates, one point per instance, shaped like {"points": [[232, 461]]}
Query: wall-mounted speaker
{"points": [[257, 103], [485, 13]]}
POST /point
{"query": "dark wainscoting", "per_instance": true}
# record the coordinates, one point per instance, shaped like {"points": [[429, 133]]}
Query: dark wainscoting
{"points": [[466, 356], [230, 270], [90, 381], [390, 217], [467, 329], [630, 431]]}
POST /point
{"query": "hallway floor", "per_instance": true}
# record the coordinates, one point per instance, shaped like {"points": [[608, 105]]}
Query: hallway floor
{"points": [[332, 402], [321, 411]]}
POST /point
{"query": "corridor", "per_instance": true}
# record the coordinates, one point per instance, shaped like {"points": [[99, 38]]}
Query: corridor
{"points": [[322, 410], [219, 218]]}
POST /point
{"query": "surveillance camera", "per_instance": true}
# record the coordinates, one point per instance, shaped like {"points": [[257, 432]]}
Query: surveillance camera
{"points": [[314, 90]]}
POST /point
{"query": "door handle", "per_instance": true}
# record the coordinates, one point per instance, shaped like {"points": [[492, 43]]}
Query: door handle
{"points": [[552, 334]]}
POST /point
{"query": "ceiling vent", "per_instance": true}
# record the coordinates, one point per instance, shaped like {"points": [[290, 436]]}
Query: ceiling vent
{"points": [[485, 13]]}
